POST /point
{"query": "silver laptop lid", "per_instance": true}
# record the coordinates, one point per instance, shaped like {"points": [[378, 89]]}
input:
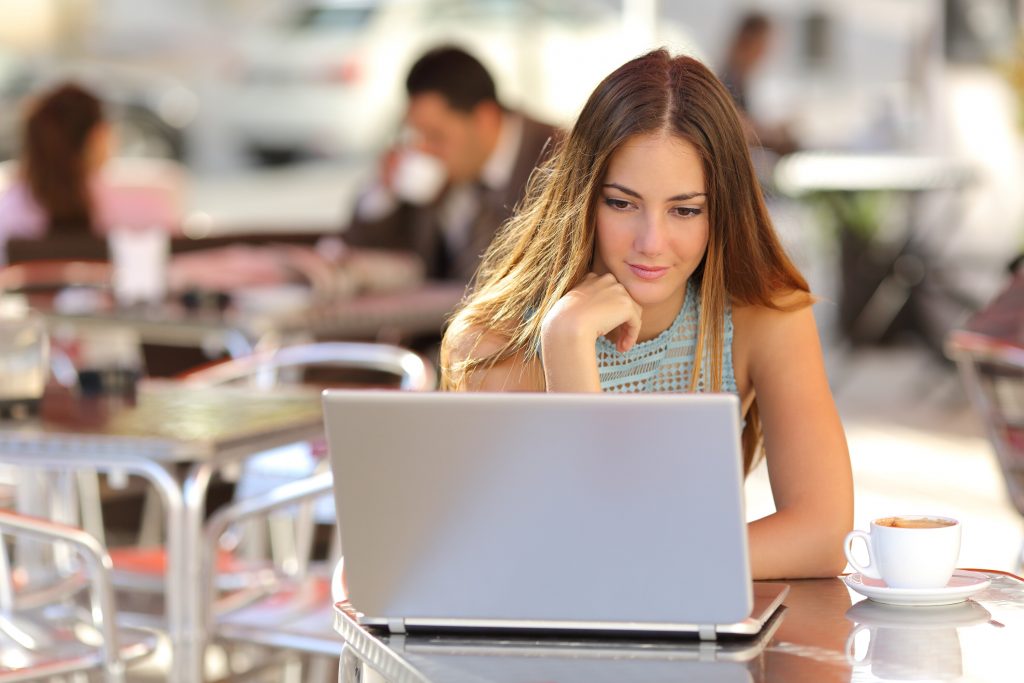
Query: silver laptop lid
{"points": [[540, 510]]}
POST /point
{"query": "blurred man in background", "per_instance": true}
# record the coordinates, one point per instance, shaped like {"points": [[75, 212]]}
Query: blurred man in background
{"points": [[748, 49], [447, 187]]}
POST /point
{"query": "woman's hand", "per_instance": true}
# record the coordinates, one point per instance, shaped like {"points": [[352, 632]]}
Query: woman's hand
{"points": [[598, 306]]}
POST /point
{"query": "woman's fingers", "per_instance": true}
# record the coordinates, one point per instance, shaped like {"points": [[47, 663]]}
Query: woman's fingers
{"points": [[629, 330], [598, 304]]}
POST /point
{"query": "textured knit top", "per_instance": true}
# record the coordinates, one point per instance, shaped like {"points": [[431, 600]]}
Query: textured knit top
{"points": [[665, 363]]}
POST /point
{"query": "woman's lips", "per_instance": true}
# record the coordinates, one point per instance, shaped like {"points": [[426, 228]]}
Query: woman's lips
{"points": [[647, 272]]}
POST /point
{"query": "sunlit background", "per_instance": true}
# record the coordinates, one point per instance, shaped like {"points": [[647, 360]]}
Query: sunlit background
{"points": [[903, 205]]}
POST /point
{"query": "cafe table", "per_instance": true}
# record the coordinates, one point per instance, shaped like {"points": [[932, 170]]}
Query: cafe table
{"points": [[393, 315], [176, 437], [826, 632], [883, 260]]}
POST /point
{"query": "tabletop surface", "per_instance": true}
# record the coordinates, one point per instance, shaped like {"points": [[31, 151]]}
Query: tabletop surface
{"points": [[167, 420], [826, 632], [415, 310], [836, 171]]}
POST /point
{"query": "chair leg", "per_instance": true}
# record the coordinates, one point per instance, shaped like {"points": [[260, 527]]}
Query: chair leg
{"points": [[91, 504], [151, 528], [34, 496], [292, 672]]}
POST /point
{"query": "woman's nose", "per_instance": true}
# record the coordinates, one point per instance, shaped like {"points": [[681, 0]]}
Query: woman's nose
{"points": [[650, 239]]}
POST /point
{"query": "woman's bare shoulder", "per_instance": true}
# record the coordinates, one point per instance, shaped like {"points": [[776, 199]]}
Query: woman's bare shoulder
{"points": [[784, 304], [513, 373], [474, 342], [783, 335]]}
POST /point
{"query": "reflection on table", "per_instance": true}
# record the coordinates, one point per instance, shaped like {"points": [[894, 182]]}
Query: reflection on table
{"points": [[825, 633]]}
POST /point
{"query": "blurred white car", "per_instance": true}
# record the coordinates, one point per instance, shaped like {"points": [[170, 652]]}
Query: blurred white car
{"points": [[330, 79]]}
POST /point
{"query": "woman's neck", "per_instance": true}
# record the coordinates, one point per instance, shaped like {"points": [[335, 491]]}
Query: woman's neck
{"points": [[657, 318]]}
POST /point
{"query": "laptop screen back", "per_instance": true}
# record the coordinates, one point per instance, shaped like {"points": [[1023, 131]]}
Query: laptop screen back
{"points": [[540, 509]]}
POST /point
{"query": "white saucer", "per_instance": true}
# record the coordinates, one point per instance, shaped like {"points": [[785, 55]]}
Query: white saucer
{"points": [[963, 585]]}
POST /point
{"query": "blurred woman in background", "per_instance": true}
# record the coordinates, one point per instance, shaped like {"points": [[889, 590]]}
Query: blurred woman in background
{"points": [[60, 190]]}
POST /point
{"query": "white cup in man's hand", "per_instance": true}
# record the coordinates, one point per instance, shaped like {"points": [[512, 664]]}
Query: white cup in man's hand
{"points": [[909, 551], [418, 177]]}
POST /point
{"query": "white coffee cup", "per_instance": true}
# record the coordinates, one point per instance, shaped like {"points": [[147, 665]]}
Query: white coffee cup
{"points": [[909, 551], [418, 177], [139, 258]]}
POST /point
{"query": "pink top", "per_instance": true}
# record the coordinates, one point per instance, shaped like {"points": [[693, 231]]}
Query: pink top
{"points": [[117, 206]]}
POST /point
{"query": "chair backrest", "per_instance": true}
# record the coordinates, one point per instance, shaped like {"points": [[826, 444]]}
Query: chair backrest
{"points": [[84, 247], [54, 274], [994, 378], [265, 369]]}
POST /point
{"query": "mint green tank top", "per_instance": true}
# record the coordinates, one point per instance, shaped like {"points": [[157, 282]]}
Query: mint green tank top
{"points": [[665, 363]]}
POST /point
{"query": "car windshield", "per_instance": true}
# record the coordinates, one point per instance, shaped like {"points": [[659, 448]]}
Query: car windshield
{"points": [[334, 17], [513, 9]]}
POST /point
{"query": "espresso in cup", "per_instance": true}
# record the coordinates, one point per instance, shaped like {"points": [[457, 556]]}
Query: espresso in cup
{"points": [[914, 522], [909, 551]]}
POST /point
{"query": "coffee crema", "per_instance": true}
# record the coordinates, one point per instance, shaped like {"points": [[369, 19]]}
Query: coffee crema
{"points": [[914, 522]]}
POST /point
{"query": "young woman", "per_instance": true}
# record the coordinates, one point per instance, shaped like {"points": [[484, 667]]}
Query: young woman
{"points": [[643, 259], [60, 188]]}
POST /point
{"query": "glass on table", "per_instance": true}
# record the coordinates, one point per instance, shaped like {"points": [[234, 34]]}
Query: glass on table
{"points": [[24, 358]]}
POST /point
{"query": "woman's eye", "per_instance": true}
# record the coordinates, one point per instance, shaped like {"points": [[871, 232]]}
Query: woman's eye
{"points": [[616, 203], [687, 211]]}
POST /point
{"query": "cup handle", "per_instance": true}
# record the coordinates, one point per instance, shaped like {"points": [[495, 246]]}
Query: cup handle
{"points": [[869, 569], [851, 657]]}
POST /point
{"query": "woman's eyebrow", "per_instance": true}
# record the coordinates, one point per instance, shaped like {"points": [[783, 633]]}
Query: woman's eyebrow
{"points": [[675, 198]]}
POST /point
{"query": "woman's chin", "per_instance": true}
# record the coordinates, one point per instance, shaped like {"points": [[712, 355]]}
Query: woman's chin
{"points": [[649, 294]]}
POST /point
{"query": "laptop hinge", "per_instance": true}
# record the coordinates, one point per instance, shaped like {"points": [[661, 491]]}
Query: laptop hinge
{"points": [[707, 632], [398, 625]]}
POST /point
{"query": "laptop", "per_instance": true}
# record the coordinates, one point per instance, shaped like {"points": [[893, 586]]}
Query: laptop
{"points": [[560, 513]]}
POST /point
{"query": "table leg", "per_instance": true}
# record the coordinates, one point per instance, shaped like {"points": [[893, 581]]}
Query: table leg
{"points": [[176, 596], [195, 488]]}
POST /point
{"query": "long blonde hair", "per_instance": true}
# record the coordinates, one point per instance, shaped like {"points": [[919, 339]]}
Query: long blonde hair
{"points": [[547, 247]]}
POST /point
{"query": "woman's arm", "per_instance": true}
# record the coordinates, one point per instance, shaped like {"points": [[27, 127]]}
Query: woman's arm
{"points": [[597, 306], [807, 457]]}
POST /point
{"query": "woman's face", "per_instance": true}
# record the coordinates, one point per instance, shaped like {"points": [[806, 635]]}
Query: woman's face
{"points": [[99, 146], [652, 222]]}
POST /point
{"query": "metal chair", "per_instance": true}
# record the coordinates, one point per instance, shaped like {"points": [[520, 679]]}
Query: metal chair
{"points": [[40, 639], [993, 374], [320, 364], [295, 616], [285, 603], [265, 369]]}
